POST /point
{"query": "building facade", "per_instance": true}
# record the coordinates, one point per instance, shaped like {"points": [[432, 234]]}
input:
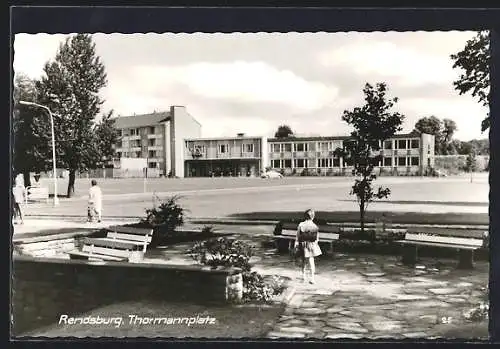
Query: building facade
{"points": [[170, 144], [228, 156], [403, 154], [156, 137]]}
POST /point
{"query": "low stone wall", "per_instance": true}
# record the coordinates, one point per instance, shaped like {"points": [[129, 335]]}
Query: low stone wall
{"points": [[43, 289]]}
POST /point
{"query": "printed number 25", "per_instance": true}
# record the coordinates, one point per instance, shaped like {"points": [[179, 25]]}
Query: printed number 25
{"points": [[446, 319]]}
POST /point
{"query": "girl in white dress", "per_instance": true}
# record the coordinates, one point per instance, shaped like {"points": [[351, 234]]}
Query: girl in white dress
{"points": [[306, 243]]}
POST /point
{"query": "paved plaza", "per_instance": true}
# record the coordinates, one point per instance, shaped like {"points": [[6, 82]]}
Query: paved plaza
{"points": [[356, 295]]}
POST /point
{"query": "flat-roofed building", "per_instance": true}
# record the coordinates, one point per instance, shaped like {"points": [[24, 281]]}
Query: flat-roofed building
{"points": [[403, 154], [224, 156], [157, 137]]}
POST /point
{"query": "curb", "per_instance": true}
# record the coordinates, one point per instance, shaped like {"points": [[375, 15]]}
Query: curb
{"points": [[229, 221]]}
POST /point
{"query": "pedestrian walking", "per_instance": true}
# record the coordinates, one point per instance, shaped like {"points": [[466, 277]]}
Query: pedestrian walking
{"points": [[306, 245], [18, 198], [94, 210]]}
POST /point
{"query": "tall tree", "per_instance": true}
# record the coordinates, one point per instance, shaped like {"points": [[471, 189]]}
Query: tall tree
{"points": [[71, 89], [373, 123], [106, 136], [449, 128], [432, 126], [283, 131], [473, 60], [31, 130]]}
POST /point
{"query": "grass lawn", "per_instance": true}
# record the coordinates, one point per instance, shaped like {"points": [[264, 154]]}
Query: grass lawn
{"points": [[372, 216], [230, 322]]}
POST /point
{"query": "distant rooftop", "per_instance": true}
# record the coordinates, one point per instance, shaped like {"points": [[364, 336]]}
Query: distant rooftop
{"points": [[142, 120], [334, 138], [225, 138]]}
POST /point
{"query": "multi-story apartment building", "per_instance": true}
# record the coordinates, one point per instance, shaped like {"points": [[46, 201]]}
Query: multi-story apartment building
{"points": [[170, 143], [228, 156], [157, 137], [403, 154]]}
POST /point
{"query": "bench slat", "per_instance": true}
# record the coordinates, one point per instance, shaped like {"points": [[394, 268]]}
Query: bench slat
{"points": [[320, 240], [473, 233], [130, 230], [293, 233], [437, 244], [130, 237], [106, 251], [443, 239], [104, 242], [96, 255]]}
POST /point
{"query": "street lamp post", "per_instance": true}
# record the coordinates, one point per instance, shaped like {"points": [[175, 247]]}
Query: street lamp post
{"points": [[56, 199]]}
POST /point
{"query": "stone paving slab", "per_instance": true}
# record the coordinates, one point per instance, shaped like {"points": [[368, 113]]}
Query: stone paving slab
{"points": [[363, 296]]}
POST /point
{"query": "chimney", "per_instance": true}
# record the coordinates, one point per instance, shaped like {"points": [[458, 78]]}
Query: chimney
{"points": [[240, 135]]}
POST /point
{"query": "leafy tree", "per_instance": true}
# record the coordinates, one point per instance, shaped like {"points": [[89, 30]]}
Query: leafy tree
{"points": [[433, 126], [430, 125], [31, 131], [482, 146], [473, 60], [449, 128], [106, 136], [373, 123], [443, 131], [71, 90], [283, 131], [470, 163]]}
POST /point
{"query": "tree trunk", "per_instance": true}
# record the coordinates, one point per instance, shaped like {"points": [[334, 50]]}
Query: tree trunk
{"points": [[27, 179], [362, 217], [71, 183]]}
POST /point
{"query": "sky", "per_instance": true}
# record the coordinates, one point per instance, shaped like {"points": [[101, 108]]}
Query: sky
{"points": [[252, 83]]}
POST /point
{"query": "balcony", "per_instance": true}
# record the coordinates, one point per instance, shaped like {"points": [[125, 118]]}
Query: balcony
{"points": [[249, 155], [223, 155], [155, 135]]}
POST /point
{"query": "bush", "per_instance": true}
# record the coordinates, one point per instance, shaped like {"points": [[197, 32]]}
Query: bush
{"points": [[165, 218], [257, 288], [223, 252], [234, 253], [479, 313]]}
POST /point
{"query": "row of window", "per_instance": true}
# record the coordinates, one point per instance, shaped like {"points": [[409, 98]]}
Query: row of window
{"points": [[402, 161], [335, 162], [402, 144], [138, 154], [224, 148], [137, 143], [150, 130], [330, 146]]}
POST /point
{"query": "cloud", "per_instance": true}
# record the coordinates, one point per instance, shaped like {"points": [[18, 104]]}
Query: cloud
{"points": [[243, 81], [254, 82], [32, 51], [403, 65]]}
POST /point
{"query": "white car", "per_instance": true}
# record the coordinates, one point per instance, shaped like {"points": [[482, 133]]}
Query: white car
{"points": [[271, 174]]}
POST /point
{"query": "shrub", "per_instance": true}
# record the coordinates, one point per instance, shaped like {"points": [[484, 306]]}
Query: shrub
{"points": [[165, 218], [234, 253], [207, 230], [222, 252], [480, 312], [278, 228], [257, 288]]}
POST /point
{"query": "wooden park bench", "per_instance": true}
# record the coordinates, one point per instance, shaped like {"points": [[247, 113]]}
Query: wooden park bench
{"points": [[37, 193], [466, 241], [120, 244], [327, 234]]}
